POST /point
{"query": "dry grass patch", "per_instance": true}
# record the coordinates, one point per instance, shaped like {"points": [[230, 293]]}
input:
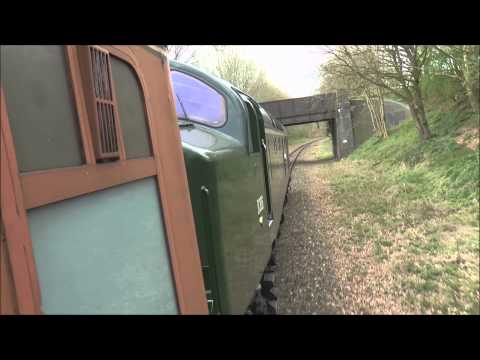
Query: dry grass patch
{"points": [[418, 256]]}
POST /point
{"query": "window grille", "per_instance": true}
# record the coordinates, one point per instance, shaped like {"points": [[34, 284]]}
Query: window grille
{"points": [[104, 120]]}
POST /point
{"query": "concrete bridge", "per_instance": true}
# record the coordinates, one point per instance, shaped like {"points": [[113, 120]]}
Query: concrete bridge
{"points": [[349, 120]]}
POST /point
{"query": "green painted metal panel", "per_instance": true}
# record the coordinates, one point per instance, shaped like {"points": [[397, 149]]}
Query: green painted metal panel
{"points": [[234, 245], [104, 253]]}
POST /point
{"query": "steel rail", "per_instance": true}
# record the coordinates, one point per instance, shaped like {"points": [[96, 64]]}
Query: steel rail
{"points": [[298, 151]]}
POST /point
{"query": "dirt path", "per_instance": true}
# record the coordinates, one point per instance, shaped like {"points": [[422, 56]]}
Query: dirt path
{"points": [[317, 272]]}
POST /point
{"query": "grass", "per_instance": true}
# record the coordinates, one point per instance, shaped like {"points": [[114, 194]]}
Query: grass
{"points": [[417, 205], [300, 134], [324, 150], [297, 141], [439, 169]]}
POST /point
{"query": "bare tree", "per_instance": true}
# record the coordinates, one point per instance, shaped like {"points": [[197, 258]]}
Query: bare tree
{"points": [[374, 97], [182, 53], [396, 68], [219, 48], [245, 75], [238, 71], [336, 76]]}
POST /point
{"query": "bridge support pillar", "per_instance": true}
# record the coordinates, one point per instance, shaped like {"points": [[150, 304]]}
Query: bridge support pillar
{"points": [[344, 143]]}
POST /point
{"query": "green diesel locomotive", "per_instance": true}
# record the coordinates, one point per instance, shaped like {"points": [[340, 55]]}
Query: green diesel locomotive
{"points": [[237, 163]]}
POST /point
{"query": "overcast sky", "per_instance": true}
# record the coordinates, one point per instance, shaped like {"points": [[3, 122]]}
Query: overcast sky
{"points": [[293, 68]]}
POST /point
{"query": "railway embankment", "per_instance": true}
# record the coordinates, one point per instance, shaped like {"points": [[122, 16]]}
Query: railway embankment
{"points": [[391, 229]]}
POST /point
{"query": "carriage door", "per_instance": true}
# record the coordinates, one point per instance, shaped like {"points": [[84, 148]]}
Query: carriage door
{"points": [[259, 145]]}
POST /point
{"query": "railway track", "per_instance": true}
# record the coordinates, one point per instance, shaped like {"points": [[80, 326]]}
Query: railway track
{"points": [[296, 153], [265, 299]]}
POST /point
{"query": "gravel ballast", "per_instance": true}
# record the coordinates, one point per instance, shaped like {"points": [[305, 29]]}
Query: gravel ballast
{"points": [[315, 275]]}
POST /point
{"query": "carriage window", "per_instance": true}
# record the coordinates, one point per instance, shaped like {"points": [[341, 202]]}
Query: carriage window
{"points": [[131, 109], [197, 101], [104, 253], [40, 107]]}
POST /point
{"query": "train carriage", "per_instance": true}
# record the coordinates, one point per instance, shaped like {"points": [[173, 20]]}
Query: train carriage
{"points": [[95, 212]]}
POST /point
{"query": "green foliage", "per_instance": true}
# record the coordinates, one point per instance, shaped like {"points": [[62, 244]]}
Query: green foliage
{"points": [[307, 131], [439, 169], [438, 89], [324, 149], [415, 204], [441, 89]]}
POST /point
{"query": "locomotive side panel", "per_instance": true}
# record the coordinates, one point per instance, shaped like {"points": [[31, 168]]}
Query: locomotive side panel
{"points": [[225, 184], [229, 187], [278, 174]]}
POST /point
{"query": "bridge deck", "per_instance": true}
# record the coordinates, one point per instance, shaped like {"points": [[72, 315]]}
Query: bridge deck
{"points": [[303, 110]]}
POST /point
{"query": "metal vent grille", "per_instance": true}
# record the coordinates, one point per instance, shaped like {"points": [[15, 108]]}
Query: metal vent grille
{"points": [[106, 125]]}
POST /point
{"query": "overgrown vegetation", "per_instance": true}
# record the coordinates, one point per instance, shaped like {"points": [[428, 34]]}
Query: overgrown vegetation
{"points": [[415, 205], [412, 203], [403, 70], [440, 169]]}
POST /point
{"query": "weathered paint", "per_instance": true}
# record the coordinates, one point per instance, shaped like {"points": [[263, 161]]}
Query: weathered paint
{"points": [[166, 166], [8, 301]]}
